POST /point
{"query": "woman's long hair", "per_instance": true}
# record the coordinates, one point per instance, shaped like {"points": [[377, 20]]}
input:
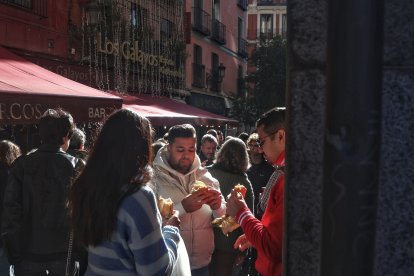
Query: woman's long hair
{"points": [[118, 165], [233, 156]]}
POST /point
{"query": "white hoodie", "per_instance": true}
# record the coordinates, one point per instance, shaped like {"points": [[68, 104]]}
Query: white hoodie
{"points": [[196, 228]]}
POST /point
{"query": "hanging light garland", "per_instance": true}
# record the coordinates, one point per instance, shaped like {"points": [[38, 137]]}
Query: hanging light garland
{"points": [[152, 29]]}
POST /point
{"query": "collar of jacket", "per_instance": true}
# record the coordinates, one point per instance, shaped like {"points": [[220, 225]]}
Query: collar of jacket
{"points": [[50, 147]]}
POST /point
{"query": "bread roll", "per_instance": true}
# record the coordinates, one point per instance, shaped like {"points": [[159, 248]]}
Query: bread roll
{"points": [[226, 223], [241, 189], [165, 205], [198, 185]]}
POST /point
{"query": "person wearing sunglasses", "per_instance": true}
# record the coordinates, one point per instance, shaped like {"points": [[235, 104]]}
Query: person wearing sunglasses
{"points": [[265, 235]]}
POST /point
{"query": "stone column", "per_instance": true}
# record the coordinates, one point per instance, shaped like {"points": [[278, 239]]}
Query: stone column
{"points": [[374, 219], [305, 102], [395, 218]]}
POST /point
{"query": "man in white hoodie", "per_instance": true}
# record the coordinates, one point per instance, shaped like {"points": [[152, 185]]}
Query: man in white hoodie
{"points": [[176, 168]]}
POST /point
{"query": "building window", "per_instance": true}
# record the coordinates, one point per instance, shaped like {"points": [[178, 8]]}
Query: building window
{"points": [[284, 25], [38, 7], [266, 24], [198, 68], [214, 81], [139, 16], [166, 28], [21, 3], [216, 9], [198, 4], [241, 42]]}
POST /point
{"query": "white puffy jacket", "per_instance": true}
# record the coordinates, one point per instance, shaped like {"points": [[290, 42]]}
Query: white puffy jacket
{"points": [[196, 228]]}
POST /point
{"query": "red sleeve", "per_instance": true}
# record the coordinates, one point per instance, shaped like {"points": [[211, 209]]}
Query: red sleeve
{"points": [[266, 235]]}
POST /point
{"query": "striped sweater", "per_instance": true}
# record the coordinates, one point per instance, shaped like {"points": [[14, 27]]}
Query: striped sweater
{"points": [[139, 245]]}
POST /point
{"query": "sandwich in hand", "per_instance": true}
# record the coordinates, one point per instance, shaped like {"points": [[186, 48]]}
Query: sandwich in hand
{"points": [[228, 223], [198, 185], [165, 205], [241, 189]]}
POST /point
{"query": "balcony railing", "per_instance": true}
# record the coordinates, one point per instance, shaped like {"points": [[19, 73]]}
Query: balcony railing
{"points": [[201, 21], [218, 32], [242, 4], [214, 81], [267, 35], [271, 2], [38, 7], [199, 75], [242, 47]]}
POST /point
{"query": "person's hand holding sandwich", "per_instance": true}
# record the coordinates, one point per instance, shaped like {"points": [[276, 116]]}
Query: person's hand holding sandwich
{"points": [[201, 194]]}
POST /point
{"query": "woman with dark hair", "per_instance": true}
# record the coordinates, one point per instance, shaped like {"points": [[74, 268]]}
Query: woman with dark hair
{"points": [[229, 169], [114, 213]]}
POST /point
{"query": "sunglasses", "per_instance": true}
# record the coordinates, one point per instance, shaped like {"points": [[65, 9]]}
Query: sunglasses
{"points": [[260, 142]]}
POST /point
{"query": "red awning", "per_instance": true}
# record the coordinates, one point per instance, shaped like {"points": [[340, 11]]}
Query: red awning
{"points": [[162, 111], [27, 90]]}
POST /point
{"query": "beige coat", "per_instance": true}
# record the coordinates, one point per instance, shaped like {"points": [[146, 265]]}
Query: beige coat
{"points": [[196, 228]]}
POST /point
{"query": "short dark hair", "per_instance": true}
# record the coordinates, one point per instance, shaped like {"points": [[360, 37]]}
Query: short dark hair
{"points": [[181, 131], [212, 132], [156, 146], [54, 125], [272, 120], [77, 140], [209, 138], [243, 136]]}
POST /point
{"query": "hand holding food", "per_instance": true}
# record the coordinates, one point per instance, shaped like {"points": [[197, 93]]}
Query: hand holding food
{"points": [[198, 186], [227, 223], [234, 203], [196, 198], [240, 189], [165, 205], [213, 199], [174, 220]]}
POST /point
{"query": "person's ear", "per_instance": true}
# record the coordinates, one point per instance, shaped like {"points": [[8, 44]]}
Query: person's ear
{"points": [[282, 135]]}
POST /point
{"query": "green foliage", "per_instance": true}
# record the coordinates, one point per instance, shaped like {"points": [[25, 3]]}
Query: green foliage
{"points": [[245, 111], [270, 78]]}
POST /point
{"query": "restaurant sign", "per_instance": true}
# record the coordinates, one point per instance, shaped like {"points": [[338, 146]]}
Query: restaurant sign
{"points": [[131, 51], [29, 111]]}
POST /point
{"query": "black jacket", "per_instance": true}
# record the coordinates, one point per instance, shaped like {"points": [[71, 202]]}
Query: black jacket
{"points": [[4, 173], [258, 175], [35, 221]]}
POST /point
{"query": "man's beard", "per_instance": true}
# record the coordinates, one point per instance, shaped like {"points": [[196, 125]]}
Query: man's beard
{"points": [[182, 168]]}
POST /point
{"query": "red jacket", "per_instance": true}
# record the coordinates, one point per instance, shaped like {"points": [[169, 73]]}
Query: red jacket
{"points": [[266, 235]]}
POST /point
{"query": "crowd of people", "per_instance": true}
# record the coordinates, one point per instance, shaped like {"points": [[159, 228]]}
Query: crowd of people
{"points": [[69, 210]]}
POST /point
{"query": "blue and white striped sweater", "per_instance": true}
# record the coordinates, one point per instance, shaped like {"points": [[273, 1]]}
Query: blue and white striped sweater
{"points": [[138, 246]]}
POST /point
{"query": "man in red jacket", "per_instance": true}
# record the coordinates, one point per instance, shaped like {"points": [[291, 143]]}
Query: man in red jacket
{"points": [[266, 235]]}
